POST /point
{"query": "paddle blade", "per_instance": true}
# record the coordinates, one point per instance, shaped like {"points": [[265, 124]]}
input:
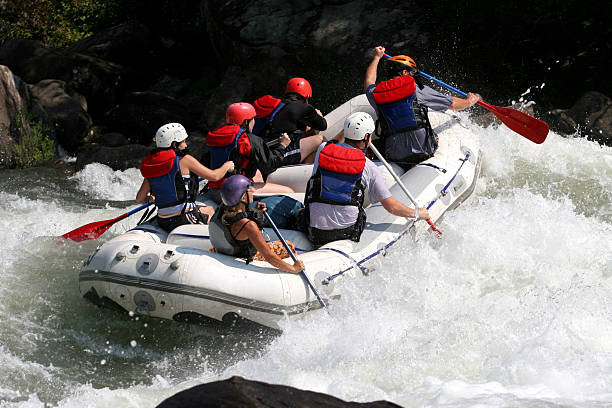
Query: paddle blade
{"points": [[434, 228], [92, 230], [520, 122]]}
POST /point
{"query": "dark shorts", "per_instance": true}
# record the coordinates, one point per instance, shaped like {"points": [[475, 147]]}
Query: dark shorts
{"points": [[191, 217], [292, 157], [320, 237]]}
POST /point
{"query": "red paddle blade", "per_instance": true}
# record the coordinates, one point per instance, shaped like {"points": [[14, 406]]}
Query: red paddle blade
{"points": [[92, 230], [434, 228], [520, 122]]}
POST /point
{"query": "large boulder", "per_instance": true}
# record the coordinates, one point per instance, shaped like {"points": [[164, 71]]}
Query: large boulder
{"points": [[329, 43], [590, 116], [130, 44], [140, 114], [117, 158], [130, 155], [101, 82], [237, 392], [66, 113], [13, 113]]}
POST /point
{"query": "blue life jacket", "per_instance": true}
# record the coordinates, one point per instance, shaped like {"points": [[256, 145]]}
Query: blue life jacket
{"points": [[397, 104], [168, 186], [337, 181]]}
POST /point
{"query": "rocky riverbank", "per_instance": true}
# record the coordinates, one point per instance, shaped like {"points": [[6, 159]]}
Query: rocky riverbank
{"points": [[103, 98]]}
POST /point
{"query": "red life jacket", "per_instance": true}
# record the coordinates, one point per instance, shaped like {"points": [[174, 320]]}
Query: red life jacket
{"points": [[225, 143], [337, 181], [338, 178], [266, 108], [394, 89]]}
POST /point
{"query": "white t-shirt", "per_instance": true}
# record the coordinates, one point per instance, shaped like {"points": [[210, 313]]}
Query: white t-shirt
{"points": [[327, 216]]}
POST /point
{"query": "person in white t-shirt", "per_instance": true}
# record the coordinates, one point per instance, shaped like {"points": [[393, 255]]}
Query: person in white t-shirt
{"points": [[341, 174]]}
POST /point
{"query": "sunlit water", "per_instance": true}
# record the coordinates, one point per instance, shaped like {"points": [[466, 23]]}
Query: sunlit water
{"points": [[513, 307]]}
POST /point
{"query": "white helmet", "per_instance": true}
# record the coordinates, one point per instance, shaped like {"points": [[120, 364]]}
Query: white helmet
{"points": [[170, 132], [357, 125]]}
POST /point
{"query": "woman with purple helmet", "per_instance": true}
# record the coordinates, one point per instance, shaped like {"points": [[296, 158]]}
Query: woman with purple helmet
{"points": [[236, 227]]}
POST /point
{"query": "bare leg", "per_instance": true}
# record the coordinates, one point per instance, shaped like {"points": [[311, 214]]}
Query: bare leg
{"points": [[271, 188], [261, 187], [309, 146]]}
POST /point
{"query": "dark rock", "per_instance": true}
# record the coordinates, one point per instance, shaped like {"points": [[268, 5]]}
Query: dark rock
{"points": [[235, 85], [125, 156], [117, 158], [593, 115], [130, 44], [237, 392], [197, 146], [140, 114], [328, 43], [560, 122], [112, 139], [590, 116], [100, 82], [65, 113], [13, 112]]}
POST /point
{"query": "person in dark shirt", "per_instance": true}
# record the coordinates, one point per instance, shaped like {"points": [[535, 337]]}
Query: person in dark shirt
{"points": [[294, 116]]}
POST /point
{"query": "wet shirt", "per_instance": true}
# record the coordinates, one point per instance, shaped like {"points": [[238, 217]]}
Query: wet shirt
{"points": [[327, 216]]}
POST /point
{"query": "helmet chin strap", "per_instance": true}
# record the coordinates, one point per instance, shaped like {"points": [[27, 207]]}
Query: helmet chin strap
{"points": [[246, 203]]}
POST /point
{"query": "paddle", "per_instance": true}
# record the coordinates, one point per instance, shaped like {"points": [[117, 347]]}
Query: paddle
{"points": [[520, 122], [404, 189], [95, 229], [306, 278]]}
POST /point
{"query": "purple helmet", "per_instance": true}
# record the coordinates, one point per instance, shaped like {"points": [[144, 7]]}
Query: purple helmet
{"points": [[233, 188]]}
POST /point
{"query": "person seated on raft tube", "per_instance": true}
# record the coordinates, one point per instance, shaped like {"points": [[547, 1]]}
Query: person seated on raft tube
{"points": [[292, 115], [401, 103], [251, 156], [171, 179], [236, 227], [341, 174]]}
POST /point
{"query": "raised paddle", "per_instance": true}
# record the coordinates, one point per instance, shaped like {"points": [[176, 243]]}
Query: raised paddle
{"points": [[306, 278], [404, 189], [520, 122], [94, 229]]}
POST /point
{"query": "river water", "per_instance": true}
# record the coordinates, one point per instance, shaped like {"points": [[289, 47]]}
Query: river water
{"points": [[513, 307]]}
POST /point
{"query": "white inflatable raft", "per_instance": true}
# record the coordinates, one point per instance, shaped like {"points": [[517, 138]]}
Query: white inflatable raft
{"points": [[176, 276]]}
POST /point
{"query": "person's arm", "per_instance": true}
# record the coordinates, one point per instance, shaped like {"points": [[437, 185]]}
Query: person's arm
{"points": [[313, 119], [397, 208], [190, 163], [370, 76], [142, 196], [262, 246], [460, 103], [266, 159]]}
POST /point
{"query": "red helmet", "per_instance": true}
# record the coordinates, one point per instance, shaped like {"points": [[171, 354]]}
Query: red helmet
{"points": [[237, 113], [299, 86]]}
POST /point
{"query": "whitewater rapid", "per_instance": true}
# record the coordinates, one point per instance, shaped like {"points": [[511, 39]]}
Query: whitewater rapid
{"points": [[512, 307]]}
